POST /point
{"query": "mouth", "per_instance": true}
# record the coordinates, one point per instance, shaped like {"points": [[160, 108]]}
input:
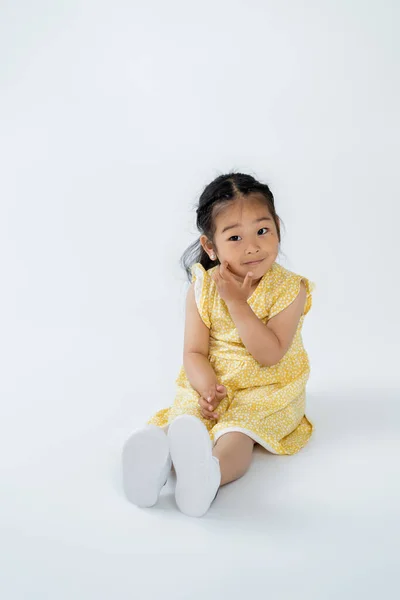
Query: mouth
{"points": [[254, 262]]}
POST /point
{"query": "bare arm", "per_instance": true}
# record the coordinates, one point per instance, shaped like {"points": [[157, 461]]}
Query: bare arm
{"points": [[268, 343], [198, 369]]}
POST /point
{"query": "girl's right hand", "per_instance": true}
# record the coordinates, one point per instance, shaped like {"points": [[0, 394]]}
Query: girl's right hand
{"points": [[210, 399]]}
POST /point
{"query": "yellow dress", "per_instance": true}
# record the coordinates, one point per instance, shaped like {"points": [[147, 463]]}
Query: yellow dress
{"points": [[266, 403]]}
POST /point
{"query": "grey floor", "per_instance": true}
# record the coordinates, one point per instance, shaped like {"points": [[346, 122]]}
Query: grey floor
{"points": [[320, 524]]}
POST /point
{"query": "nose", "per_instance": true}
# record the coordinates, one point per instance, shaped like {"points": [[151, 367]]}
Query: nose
{"points": [[252, 249]]}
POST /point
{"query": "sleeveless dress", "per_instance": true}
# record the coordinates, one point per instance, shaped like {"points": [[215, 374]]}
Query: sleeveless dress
{"points": [[266, 403]]}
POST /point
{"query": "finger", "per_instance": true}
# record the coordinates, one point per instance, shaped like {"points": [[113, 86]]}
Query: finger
{"points": [[207, 414], [205, 404], [211, 393], [228, 271], [247, 280], [224, 270], [210, 398]]}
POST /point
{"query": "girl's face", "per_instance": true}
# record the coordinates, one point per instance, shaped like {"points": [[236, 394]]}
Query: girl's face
{"points": [[245, 232]]}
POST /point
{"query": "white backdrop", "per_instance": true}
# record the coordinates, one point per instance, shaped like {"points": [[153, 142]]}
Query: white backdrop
{"points": [[114, 116]]}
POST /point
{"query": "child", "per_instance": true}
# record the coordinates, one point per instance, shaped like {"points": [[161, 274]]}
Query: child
{"points": [[244, 369]]}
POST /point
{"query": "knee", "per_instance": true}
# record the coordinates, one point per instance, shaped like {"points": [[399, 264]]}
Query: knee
{"points": [[235, 438]]}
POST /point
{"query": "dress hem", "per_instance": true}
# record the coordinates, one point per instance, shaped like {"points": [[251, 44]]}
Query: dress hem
{"points": [[248, 432]]}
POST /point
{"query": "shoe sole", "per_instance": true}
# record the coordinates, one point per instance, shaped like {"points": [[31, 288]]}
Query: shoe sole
{"points": [[191, 453], [144, 457]]}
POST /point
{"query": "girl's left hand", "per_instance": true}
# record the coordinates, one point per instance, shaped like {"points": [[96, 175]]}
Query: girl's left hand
{"points": [[210, 400], [228, 287]]}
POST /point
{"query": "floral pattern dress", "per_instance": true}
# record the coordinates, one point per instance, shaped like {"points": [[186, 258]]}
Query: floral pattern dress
{"points": [[266, 403]]}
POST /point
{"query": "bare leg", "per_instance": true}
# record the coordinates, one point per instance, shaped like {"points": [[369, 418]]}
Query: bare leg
{"points": [[234, 451]]}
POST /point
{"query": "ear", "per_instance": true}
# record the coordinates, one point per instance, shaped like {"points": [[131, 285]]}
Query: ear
{"points": [[207, 245]]}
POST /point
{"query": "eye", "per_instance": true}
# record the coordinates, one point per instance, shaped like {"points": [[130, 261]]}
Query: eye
{"points": [[266, 228], [233, 236]]}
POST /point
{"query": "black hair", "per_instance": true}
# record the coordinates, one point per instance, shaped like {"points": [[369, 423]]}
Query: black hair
{"points": [[222, 190]]}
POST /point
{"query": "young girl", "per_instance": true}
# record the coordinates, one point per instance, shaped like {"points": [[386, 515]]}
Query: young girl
{"points": [[245, 369]]}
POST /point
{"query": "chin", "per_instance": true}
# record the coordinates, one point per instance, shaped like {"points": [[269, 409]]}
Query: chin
{"points": [[258, 270]]}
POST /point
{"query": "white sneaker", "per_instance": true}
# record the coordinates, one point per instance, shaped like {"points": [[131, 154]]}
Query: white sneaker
{"points": [[146, 464], [198, 475]]}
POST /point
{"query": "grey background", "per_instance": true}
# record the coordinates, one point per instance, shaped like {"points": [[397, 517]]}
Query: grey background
{"points": [[113, 118]]}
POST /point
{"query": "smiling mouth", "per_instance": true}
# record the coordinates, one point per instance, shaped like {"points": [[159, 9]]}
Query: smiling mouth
{"points": [[254, 262]]}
